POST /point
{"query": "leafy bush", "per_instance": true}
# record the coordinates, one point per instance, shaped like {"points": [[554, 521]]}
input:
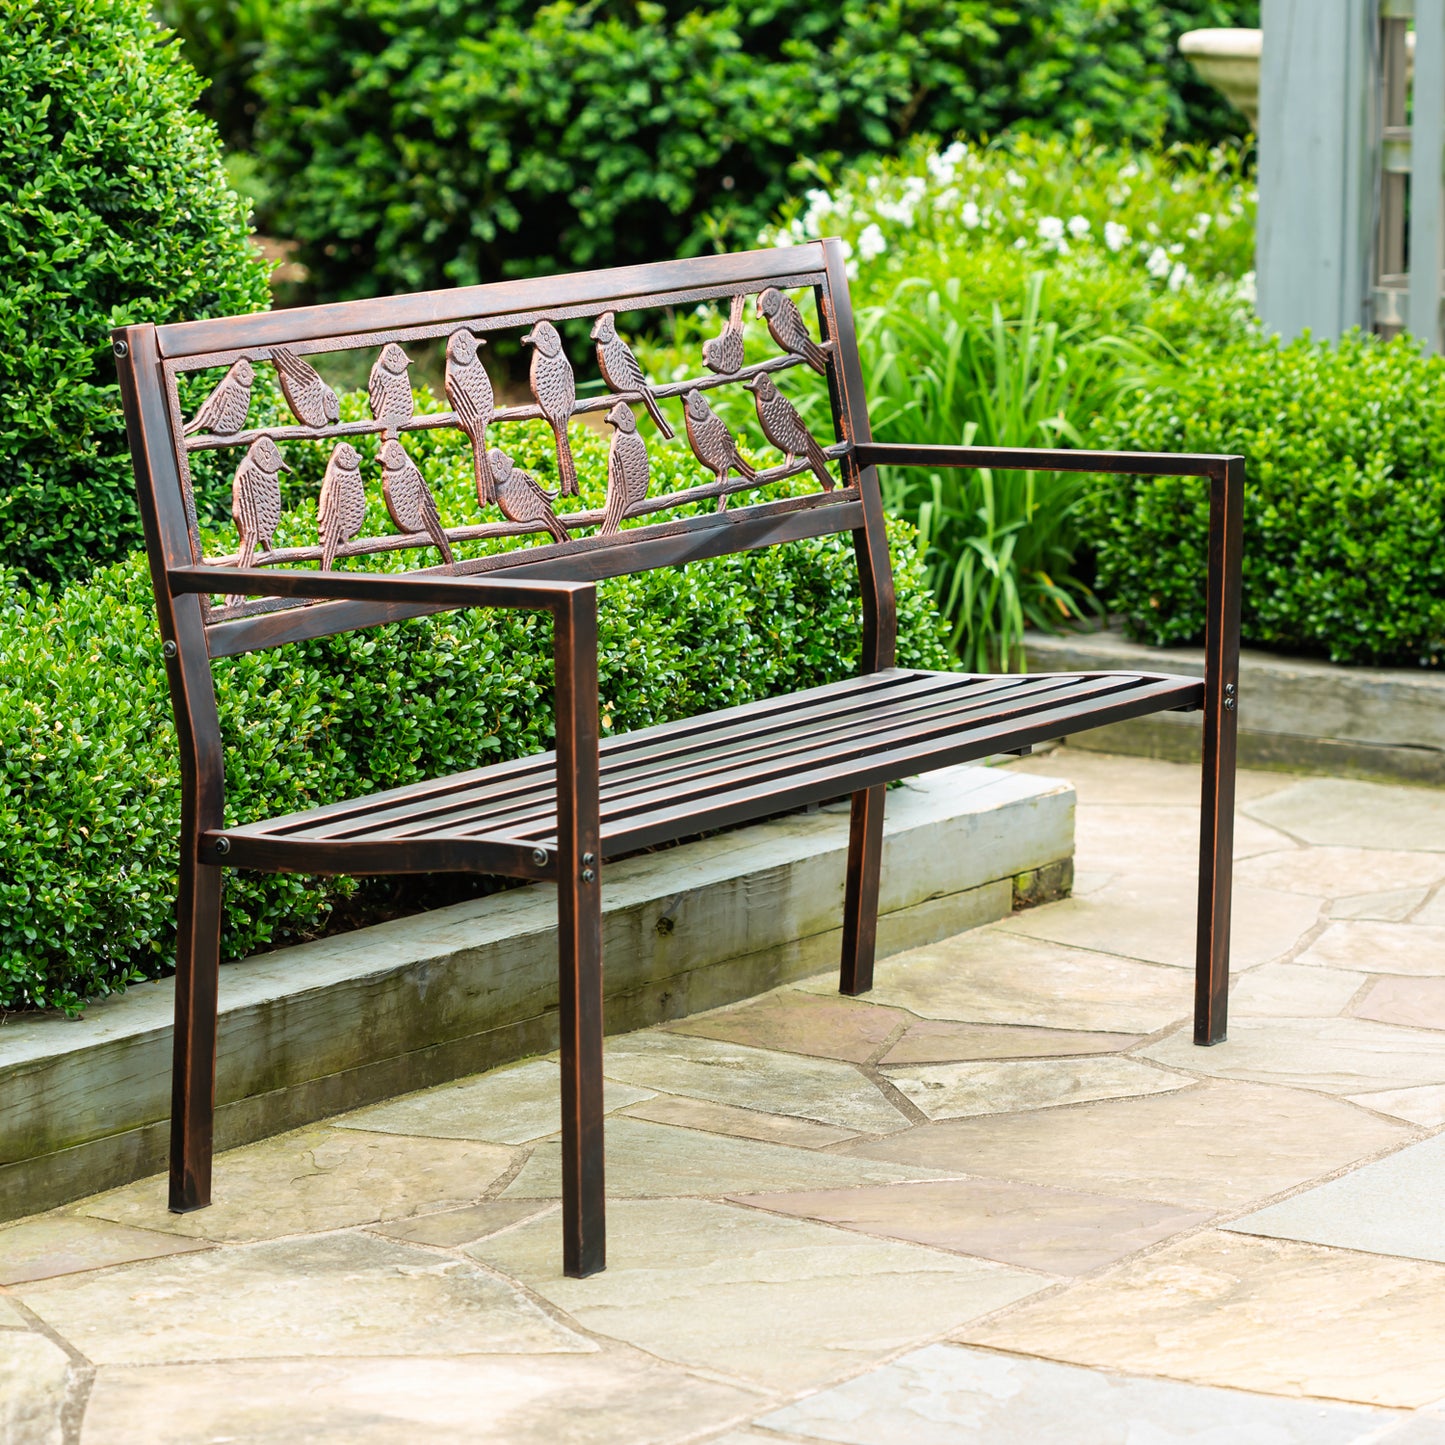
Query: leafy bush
{"points": [[115, 211], [417, 143], [1344, 522], [89, 788]]}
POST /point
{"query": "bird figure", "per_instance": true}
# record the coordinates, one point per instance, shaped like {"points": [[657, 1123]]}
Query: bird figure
{"points": [[723, 353], [223, 413], [520, 498], [555, 389], [469, 390], [343, 502], [390, 389], [620, 369], [783, 427], [409, 499], [627, 469], [789, 330], [256, 497], [713, 443], [312, 402]]}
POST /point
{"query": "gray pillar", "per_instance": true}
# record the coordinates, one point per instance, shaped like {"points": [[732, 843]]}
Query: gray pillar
{"points": [[1315, 165], [1427, 164]]}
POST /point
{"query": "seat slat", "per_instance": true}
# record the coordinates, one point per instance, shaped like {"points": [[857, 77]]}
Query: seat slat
{"points": [[702, 773]]}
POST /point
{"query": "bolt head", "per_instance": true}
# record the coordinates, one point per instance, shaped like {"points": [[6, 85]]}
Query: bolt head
{"points": [[121, 349], [169, 649], [589, 875], [223, 846], [539, 857]]}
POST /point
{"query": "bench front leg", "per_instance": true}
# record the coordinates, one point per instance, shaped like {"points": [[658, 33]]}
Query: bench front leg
{"points": [[579, 936], [193, 1066], [860, 900], [1221, 722]]}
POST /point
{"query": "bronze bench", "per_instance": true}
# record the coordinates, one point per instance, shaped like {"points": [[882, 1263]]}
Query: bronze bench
{"points": [[558, 815]]}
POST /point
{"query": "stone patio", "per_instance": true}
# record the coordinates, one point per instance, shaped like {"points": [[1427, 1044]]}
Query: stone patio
{"points": [[1004, 1199]]}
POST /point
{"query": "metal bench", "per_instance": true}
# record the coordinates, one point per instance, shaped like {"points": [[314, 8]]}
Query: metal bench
{"points": [[558, 815]]}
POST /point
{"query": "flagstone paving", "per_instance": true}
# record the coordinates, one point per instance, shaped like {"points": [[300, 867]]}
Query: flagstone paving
{"points": [[1003, 1198]]}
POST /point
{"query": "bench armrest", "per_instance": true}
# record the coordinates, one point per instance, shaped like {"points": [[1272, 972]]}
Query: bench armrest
{"points": [[379, 587], [1044, 459], [573, 606]]}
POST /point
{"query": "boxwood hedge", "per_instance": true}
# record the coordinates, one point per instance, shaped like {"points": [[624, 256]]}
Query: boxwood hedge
{"points": [[115, 210], [89, 789], [1344, 526]]}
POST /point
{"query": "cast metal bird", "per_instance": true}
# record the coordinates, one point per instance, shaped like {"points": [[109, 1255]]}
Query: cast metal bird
{"points": [[555, 389], [723, 353], [789, 330], [409, 499], [627, 469], [469, 390], [620, 369], [312, 402], [783, 427], [256, 497], [390, 389], [520, 498], [223, 413], [343, 502], [713, 443]]}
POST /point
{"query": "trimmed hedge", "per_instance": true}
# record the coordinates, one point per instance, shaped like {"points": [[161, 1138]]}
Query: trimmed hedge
{"points": [[1344, 523], [421, 143], [116, 211], [89, 788]]}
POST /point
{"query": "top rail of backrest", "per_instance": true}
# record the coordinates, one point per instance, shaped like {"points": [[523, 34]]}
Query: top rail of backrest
{"points": [[237, 626]]}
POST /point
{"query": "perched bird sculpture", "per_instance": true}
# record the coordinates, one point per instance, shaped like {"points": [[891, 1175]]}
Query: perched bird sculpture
{"points": [[783, 427], [723, 353], [343, 502], [555, 389], [390, 389], [620, 369], [713, 443], [256, 498], [789, 330], [627, 469], [469, 390], [409, 499], [312, 402], [521, 499], [223, 413]]}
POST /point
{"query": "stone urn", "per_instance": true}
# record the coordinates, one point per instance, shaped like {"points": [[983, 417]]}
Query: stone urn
{"points": [[1227, 59]]}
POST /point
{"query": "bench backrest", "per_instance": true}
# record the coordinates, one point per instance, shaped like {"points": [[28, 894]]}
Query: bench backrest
{"points": [[152, 360]]}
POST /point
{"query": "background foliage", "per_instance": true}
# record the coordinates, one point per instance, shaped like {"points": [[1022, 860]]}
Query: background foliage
{"points": [[1344, 512], [419, 143], [116, 210]]}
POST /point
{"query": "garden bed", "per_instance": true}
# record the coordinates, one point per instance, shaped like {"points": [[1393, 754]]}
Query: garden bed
{"points": [[1296, 713], [326, 1026]]}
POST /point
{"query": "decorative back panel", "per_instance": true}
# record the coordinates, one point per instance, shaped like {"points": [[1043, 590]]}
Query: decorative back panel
{"points": [[528, 531]]}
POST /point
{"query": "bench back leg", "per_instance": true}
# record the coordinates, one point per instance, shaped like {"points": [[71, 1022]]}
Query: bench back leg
{"points": [[860, 902], [193, 1068]]}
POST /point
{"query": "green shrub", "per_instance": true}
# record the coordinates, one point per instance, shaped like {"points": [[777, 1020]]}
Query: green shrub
{"points": [[1344, 522], [89, 788], [115, 211], [418, 143]]}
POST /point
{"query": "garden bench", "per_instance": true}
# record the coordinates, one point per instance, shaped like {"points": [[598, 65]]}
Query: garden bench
{"points": [[557, 816]]}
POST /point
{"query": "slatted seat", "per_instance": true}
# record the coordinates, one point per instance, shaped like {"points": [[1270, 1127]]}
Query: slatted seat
{"points": [[664, 782], [555, 816]]}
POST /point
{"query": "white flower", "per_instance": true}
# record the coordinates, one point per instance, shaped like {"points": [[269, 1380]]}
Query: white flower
{"points": [[1128, 172], [1246, 290], [970, 215], [1116, 236], [1051, 230], [1158, 263], [1178, 276], [1201, 224], [871, 244], [1015, 180], [1078, 227]]}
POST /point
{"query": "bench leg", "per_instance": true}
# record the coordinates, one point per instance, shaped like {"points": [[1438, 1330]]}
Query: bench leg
{"points": [[584, 1226], [193, 1066], [1216, 870], [860, 903]]}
